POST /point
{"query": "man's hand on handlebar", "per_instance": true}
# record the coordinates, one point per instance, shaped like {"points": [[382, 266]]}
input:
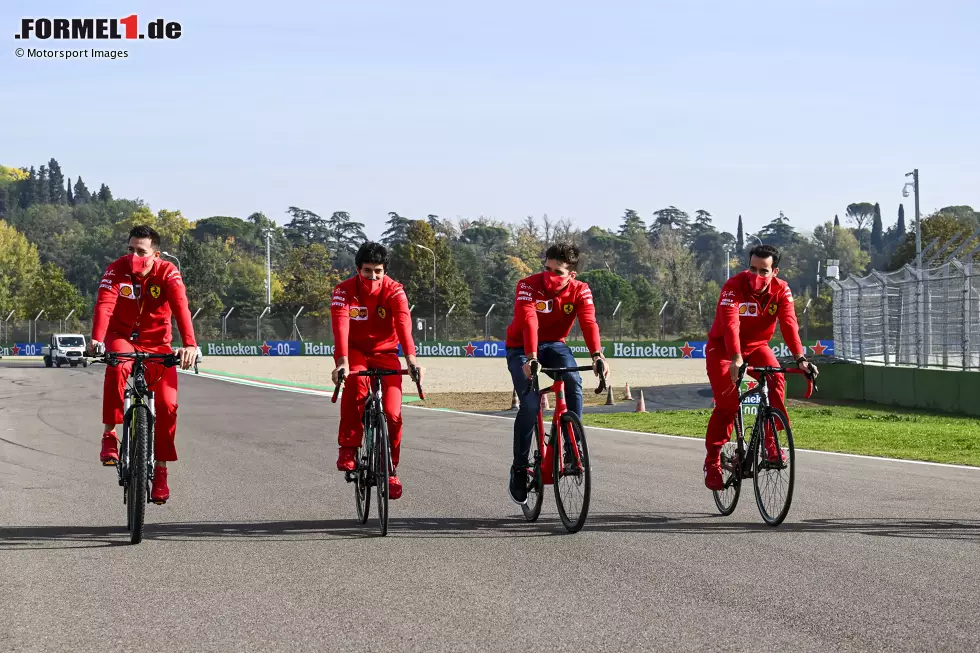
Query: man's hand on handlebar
{"points": [[531, 367], [737, 369], [95, 348], [342, 364], [596, 365], [413, 364], [808, 368], [187, 357]]}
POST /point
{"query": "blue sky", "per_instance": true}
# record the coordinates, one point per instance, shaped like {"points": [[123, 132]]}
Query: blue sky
{"points": [[507, 109]]}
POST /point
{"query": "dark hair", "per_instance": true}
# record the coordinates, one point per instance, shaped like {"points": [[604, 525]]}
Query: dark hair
{"points": [[563, 253], [146, 231], [766, 251], [372, 253]]}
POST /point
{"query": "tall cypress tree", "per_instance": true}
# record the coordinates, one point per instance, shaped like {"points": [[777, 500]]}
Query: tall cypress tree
{"points": [[68, 194], [56, 183], [877, 241], [740, 237], [836, 221], [43, 188], [82, 194], [28, 194], [900, 229], [105, 195]]}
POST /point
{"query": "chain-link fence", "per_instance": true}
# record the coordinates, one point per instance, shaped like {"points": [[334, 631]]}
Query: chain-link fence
{"points": [[922, 318]]}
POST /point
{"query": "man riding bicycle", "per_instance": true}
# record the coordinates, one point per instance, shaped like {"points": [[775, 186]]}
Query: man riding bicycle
{"points": [[370, 318], [544, 311], [750, 304], [137, 296]]}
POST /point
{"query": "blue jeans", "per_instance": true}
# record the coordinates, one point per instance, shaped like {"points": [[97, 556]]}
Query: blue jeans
{"points": [[550, 354]]}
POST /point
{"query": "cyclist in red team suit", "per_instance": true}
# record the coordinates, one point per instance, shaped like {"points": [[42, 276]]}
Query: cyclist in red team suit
{"points": [[370, 317], [138, 295], [750, 304]]}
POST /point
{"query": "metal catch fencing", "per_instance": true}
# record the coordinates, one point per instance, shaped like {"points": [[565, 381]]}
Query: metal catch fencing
{"points": [[911, 317]]}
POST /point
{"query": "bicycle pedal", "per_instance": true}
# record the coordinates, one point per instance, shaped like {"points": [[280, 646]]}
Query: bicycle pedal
{"points": [[109, 463]]}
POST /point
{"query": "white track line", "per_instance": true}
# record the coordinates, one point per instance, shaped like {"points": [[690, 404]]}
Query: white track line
{"points": [[698, 441]]}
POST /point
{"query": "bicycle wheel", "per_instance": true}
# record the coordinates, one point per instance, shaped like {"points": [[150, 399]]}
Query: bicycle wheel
{"points": [[773, 480], [535, 484], [573, 478], [362, 476], [727, 499], [382, 469], [138, 477]]}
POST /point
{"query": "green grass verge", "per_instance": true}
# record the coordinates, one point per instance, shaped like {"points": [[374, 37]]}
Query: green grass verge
{"points": [[868, 430]]}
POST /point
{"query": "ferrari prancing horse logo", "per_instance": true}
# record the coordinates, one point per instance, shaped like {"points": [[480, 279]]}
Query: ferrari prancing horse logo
{"points": [[568, 308], [382, 312], [773, 308], [155, 292]]}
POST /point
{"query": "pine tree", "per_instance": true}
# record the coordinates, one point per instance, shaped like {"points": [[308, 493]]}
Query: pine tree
{"points": [[82, 195], [740, 237], [836, 221], [105, 195], [397, 231], [68, 194], [43, 187], [56, 183], [632, 224], [901, 223], [28, 194], [877, 241]]}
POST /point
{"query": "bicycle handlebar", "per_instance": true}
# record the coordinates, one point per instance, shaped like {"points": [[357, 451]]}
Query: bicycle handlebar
{"points": [[533, 382], [110, 357], [767, 370], [378, 373]]}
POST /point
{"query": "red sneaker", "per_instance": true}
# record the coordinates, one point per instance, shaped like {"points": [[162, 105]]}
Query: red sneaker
{"points": [[161, 491], [774, 456], [347, 459], [712, 477], [394, 488], [110, 449]]}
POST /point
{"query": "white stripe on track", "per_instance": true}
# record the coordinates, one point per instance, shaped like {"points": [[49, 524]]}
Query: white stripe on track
{"points": [[698, 441]]}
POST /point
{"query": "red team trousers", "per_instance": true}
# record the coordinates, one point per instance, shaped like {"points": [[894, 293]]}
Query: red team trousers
{"points": [[355, 392], [161, 380], [722, 420]]}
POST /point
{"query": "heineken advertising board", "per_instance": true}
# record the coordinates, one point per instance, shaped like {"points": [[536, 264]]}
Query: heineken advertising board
{"points": [[492, 349], [22, 349]]}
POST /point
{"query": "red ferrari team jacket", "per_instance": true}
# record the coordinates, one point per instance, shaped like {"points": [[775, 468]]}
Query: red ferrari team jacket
{"points": [[126, 305], [372, 324], [744, 321], [541, 317]]}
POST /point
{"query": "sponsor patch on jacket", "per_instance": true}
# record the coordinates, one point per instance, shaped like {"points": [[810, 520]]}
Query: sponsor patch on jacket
{"points": [[127, 290], [359, 313], [748, 309], [569, 308], [543, 306], [773, 308], [155, 292], [382, 313]]}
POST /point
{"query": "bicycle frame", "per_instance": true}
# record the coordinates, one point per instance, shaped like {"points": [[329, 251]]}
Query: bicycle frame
{"points": [[746, 456], [555, 437]]}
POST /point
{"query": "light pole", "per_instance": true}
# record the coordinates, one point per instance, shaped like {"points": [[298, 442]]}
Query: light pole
{"points": [[756, 237], [486, 323], [433, 287], [169, 255], [728, 263], [268, 268], [918, 228]]}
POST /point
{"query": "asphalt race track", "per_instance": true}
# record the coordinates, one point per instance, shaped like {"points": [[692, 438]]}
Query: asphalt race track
{"points": [[258, 549]]}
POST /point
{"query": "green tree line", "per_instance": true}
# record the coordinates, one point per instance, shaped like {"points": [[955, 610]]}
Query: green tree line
{"points": [[57, 236]]}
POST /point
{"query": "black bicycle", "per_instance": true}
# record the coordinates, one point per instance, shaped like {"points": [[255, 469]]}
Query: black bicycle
{"points": [[373, 456], [564, 459], [769, 459], [136, 463]]}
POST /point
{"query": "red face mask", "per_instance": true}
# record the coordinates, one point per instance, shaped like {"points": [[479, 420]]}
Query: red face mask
{"points": [[140, 265], [371, 286], [758, 283], [553, 283]]}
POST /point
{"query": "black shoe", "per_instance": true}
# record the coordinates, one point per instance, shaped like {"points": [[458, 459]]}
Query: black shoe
{"points": [[518, 485]]}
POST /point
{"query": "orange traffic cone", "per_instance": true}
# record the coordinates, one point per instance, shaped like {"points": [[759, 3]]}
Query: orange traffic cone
{"points": [[515, 403], [641, 406], [609, 397], [628, 396]]}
